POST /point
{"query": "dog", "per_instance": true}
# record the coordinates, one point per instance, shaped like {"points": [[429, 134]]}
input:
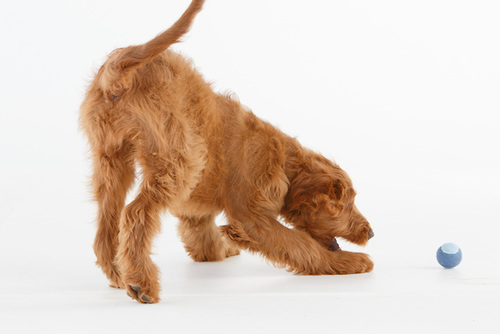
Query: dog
{"points": [[202, 153]]}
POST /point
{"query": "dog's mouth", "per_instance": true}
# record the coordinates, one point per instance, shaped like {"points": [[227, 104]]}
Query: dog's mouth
{"points": [[334, 246]]}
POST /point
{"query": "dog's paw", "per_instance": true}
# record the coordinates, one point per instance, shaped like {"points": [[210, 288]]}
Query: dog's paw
{"points": [[142, 284], [115, 280], [117, 285], [346, 263], [218, 251], [232, 250], [142, 295]]}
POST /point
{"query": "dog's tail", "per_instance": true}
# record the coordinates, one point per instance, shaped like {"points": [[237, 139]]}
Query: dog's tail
{"points": [[137, 55]]}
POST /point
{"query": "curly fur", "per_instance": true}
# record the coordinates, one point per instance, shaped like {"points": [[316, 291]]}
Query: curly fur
{"points": [[202, 153]]}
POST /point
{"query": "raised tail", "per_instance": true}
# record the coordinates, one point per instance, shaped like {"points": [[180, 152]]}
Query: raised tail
{"points": [[137, 55]]}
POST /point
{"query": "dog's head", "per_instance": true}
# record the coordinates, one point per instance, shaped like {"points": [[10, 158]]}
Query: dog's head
{"points": [[320, 201]]}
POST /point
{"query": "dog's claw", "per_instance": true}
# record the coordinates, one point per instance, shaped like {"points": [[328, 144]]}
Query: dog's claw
{"points": [[145, 298], [371, 234], [135, 288]]}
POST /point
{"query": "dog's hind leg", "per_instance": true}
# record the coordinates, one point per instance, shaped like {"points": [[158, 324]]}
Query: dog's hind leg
{"points": [[139, 223], [172, 159], [203, 239], [113, 175]]}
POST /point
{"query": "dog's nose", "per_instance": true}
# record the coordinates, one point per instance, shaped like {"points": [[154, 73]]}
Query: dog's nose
{"points": [[371, 234]]}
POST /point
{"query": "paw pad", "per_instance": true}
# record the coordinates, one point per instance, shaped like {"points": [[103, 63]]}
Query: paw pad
{"points": [[141, 298]]}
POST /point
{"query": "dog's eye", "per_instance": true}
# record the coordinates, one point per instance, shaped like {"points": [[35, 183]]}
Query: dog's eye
{"points": [[113, 97]]}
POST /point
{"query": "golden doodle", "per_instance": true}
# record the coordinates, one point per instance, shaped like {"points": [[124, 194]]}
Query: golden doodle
{"points": [[202, 153]]}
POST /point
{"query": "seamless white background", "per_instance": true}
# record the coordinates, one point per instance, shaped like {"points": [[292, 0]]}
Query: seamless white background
{"points": [[402, 94]]}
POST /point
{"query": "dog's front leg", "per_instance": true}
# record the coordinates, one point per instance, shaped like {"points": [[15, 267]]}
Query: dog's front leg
{"points": [[293, 249]]}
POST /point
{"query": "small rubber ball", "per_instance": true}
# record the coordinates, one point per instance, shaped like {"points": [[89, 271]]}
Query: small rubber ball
{"points": [[449, 255]]}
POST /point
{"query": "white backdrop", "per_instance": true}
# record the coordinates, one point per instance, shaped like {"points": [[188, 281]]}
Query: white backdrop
{"points": [[403, 95]]}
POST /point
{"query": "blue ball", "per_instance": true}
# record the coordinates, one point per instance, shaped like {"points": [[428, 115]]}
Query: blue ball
{"points": [[449, 255]]}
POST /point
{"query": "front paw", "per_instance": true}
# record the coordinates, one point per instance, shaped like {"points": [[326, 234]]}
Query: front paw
{"points": [[346, 263]]}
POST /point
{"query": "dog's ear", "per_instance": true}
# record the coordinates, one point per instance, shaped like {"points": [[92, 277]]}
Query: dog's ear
{"points": [[338, 190], [311, 192], [332, 200]]}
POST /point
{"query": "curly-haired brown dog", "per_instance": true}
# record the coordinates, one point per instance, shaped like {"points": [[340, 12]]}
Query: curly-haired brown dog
{"points": [[202, 153]]}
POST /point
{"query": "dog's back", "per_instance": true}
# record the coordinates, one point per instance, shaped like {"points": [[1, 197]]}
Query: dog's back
{"points": [[152, 100]]}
